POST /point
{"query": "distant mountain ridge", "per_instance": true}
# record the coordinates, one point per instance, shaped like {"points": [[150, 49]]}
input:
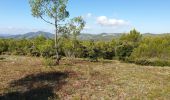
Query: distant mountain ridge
{"points": [[83, 36], [29, 35], [102, 36]]}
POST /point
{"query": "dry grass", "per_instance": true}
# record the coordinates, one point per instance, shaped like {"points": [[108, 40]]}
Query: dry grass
{"points": [[106, 80]]}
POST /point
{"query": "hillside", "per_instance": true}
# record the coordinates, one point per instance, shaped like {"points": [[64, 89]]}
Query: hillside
{"points": [[83, 36], [28, 35]]}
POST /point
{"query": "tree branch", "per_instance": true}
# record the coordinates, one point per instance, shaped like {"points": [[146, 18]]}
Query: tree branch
{"points": [[51, 14], [47, 21]]}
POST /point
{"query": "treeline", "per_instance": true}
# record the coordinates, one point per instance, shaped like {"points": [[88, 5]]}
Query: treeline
{"points": [[130, 47]]}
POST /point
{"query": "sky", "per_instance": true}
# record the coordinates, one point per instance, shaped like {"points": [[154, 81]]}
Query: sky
{"points": [[110, 16]]}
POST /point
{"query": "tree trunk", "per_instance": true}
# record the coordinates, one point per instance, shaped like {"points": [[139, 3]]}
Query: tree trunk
{"points": [[57, 44]]}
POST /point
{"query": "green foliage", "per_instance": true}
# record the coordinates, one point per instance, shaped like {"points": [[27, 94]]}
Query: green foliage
{"points": [[44, 47], [67, 47], [107, 49], [154, 49], [49, 62], [93, 51], [54, 10], [127, 43], [152, 62], [49, 8], [124, 51], [3, 46], [134, 37], [130, 48], [76, 25], [71, 46]]}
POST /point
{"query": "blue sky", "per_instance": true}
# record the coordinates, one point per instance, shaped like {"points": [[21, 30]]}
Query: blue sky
{"points": [[110, 16]]}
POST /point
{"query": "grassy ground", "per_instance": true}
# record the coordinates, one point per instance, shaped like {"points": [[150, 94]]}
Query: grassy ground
{"points": [[26, 78]]}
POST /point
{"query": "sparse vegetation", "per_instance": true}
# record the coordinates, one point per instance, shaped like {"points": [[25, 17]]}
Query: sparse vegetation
{"points": [[66, 66], [26, 78], [49, 62]]}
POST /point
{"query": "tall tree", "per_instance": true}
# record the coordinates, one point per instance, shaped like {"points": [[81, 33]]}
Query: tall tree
{"points": [[70, 31], [76, 25], [52, 12]]}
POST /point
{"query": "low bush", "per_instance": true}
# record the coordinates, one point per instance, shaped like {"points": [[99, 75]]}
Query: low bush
{"points": [[142, 62], [160, 63], [49, 62], [124, 51], [151, 62]]}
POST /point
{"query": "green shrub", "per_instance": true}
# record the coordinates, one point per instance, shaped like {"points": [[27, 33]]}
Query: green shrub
{"points": [[153, 51], [2, 58], [160, 63], [93, 55], [49, 62], [142, 62], [151, 62], [108, 55], [124, 51]]}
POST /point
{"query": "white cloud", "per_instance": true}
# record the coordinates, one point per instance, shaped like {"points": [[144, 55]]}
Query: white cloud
{"points": [[104, 21], [89, 15]]}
